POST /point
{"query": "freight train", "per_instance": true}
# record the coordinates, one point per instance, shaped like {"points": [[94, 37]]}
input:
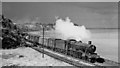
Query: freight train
{"points": [[71, 47], [13, 37]]}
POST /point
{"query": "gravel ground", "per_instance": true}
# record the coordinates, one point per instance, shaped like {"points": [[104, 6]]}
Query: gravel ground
{"points": [[27, 57]]}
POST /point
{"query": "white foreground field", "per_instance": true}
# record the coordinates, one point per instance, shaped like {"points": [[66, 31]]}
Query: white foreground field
{"points": [[27, 57]]}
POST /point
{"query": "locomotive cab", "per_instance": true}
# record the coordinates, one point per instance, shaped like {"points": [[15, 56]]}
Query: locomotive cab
{"points": [[72, 41]]}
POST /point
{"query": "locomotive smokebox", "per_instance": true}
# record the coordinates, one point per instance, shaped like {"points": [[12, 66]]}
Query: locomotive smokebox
{"points": [[89, 42]]}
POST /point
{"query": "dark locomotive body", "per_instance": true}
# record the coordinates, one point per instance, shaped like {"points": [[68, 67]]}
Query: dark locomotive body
{"points": [[88, 48], [73, 48]]}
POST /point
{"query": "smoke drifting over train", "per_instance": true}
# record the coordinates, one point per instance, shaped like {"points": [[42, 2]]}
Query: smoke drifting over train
{"points": [[67, 30]]}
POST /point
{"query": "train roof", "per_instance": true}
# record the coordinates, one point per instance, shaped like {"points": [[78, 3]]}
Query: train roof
{"points": [[55, 38], [71, 40], [33, 34]]}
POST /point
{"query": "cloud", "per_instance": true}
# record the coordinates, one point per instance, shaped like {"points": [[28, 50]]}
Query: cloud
{"points": [[92, 16]]}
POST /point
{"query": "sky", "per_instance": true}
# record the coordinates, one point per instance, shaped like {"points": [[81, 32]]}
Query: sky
{"points": [[89, 14]]}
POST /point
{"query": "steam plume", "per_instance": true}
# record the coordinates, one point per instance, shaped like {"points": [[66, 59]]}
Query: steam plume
{"points": [[67, 30]]}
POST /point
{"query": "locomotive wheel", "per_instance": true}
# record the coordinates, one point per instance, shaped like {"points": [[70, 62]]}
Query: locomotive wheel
{"points": [[92, 60], [79, 56], [71, 53], [85, 58], [75, 54]]}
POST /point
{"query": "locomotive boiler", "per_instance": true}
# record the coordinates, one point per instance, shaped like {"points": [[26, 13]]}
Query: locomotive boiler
{"points": [[78, 45]]}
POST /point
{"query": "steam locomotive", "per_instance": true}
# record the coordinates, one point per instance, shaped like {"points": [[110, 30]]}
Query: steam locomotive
{"points": [[85, 51]]}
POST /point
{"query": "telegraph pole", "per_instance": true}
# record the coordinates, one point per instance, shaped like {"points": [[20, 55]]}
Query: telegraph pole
{"points": [[43, 42]]}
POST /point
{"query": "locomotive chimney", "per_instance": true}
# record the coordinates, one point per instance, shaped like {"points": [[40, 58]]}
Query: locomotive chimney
{"points": [[89, 42]]}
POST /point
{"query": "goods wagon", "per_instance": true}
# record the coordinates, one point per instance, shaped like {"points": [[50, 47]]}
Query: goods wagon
{"points": [[60, 45], [45, 41], [34, 38], [51, 43]]}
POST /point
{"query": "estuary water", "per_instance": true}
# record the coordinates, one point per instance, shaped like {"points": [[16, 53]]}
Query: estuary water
{"points": [[106, 41]]}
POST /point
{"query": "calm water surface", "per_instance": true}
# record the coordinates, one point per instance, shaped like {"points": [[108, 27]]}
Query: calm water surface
{"points": [[106, 41]]}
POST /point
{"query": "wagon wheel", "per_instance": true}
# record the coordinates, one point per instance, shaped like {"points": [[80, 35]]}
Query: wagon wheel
{"points": [[79, 55], [84, 57]]}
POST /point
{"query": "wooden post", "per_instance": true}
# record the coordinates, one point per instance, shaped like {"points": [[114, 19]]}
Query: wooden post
{"points": [[66, 47], [54, 45], [43, 43]]}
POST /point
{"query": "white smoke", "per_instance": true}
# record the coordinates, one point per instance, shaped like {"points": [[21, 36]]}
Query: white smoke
{"points": [[67, 30]]}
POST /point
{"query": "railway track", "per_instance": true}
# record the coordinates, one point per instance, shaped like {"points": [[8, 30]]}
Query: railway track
{"points": [[75, 61], [62, 57], [71, 60]]}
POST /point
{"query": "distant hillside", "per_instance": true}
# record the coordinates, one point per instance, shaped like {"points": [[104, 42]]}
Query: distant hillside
{"points": [[35, 26]]}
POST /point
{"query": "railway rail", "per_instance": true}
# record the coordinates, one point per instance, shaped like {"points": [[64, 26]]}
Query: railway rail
{"points": [[74, 61], [62, 57]]}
